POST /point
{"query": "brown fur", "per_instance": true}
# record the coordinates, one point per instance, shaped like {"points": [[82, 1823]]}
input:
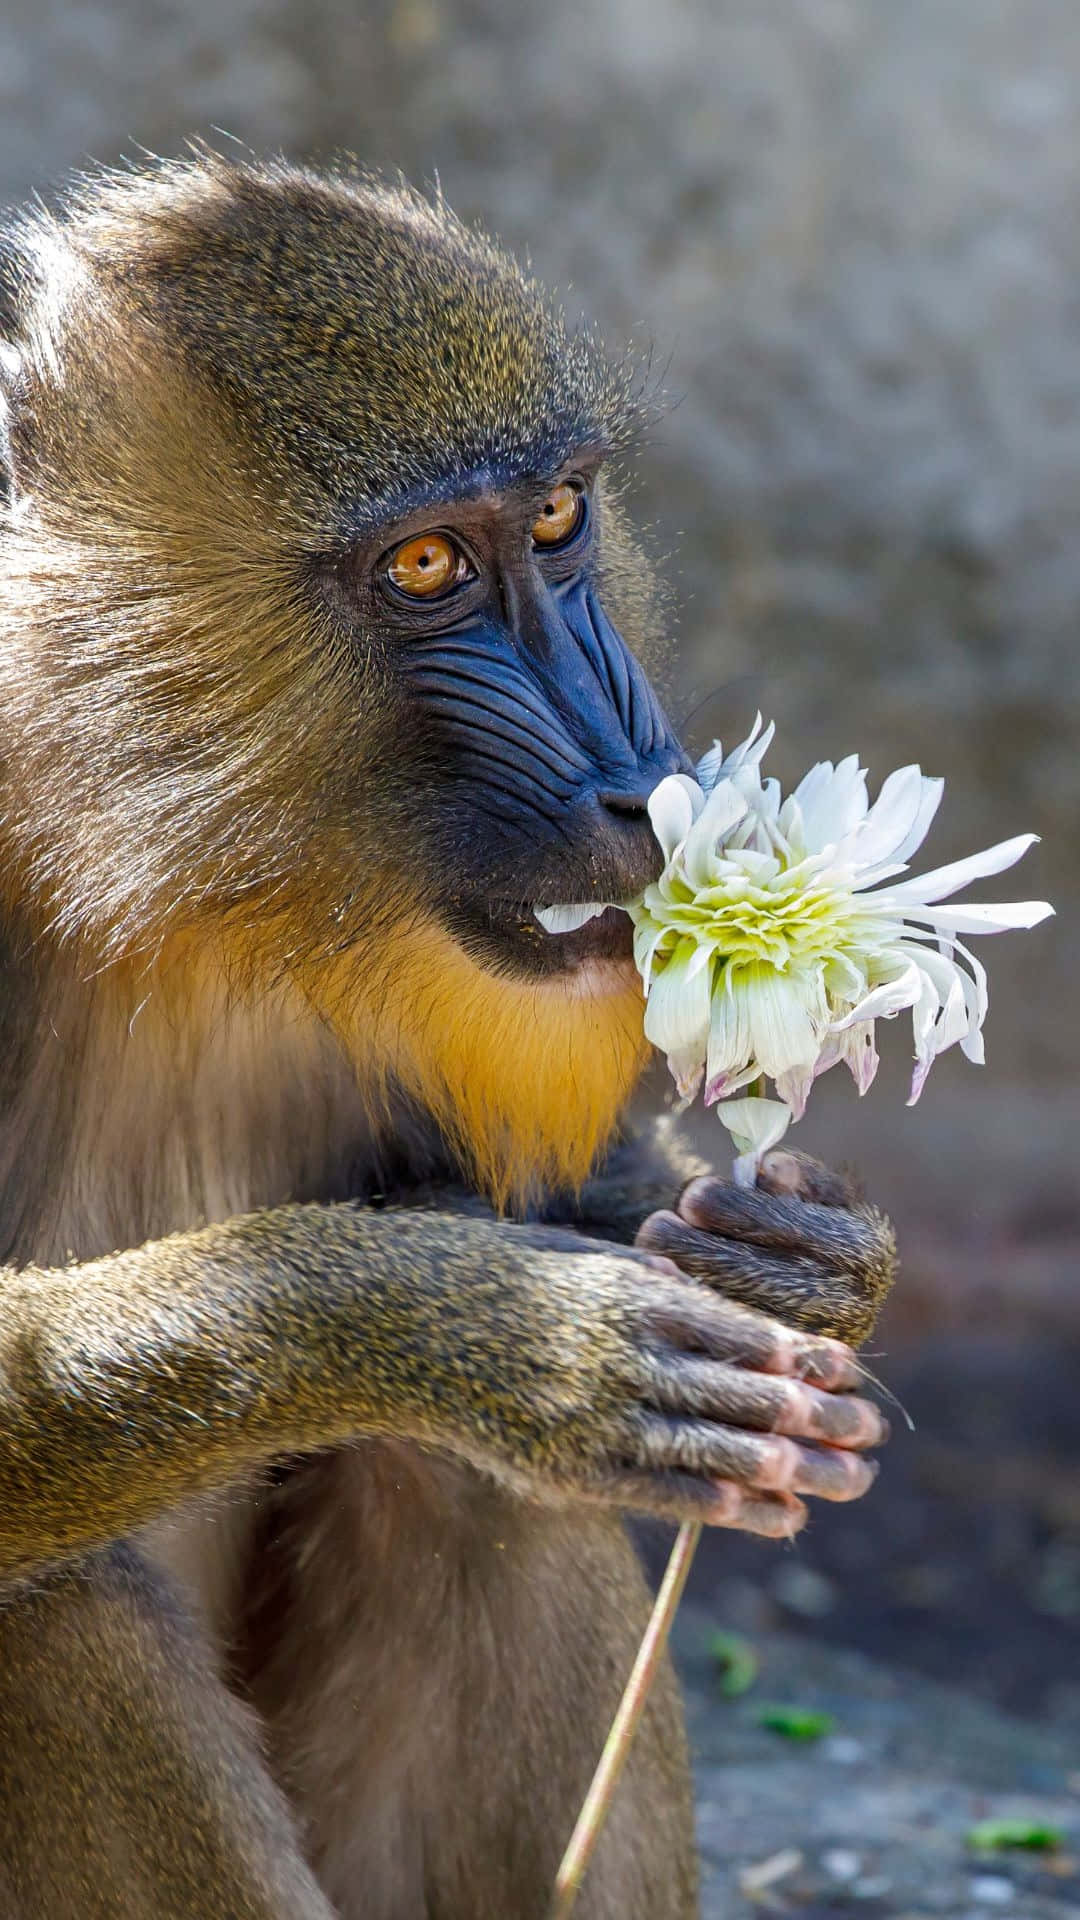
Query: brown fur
{"points": [[252, 1665], [206, 1015]]}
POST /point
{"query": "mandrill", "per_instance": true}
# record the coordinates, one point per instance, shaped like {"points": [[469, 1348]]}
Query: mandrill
{"points": [[328, 1364]]}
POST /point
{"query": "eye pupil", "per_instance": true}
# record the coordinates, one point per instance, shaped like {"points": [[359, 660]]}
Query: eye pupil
{"points": [[426, 565], [560, 517]]}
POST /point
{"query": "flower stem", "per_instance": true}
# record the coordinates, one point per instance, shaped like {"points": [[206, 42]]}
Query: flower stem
{"points": [[630, 1709], [597, 1802]]}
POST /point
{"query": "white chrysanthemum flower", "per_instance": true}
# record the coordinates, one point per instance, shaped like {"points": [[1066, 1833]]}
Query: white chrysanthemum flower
{"points": [[778, 932]]}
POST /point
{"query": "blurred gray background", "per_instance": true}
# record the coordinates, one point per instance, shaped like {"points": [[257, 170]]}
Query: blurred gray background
{"points": [[851, 229]]}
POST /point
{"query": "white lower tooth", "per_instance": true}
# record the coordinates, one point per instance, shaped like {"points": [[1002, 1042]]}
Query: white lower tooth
{"points": [[567, 919]]}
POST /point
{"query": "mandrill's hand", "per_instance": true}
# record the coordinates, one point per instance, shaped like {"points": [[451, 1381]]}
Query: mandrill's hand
{"points": [[800, 1245]]}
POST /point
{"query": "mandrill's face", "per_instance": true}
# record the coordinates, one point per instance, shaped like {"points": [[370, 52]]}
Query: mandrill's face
{"points": [[339, 614], [530, 731]]}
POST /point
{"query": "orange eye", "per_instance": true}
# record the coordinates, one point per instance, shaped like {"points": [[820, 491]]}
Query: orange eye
{"points": [[426, 565], [560, 516]]}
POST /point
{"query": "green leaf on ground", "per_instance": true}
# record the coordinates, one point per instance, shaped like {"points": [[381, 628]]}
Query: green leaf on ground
{"points": [[736, 1663], [1032, 1835], [795, 1723]]}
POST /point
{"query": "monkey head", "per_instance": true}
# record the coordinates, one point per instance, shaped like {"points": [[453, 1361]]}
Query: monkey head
{"points": [[311, 600]]}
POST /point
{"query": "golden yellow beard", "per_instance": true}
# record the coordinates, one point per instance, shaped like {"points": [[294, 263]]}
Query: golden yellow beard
{"points": [[526, 1079]]}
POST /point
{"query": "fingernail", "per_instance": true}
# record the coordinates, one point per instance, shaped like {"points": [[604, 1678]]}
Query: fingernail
{"points": [[660, 1263]]}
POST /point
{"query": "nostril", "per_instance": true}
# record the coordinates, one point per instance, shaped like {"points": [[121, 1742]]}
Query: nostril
{"points": [[632, 806]]}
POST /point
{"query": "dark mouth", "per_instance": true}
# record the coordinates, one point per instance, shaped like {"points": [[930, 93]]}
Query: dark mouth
{"points": [[509, 937]]}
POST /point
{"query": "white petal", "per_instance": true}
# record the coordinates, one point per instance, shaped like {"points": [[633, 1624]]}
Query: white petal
{"points": [[648, 934], [708, 767], [712, 766], [945, 880], [701, 957], [786, 1015], [568, 919], [978, 998], [730, 1051], [861, 1054], [891, 820], [923, 1014], [686, 1070], [795, 1087], [832, 801], [891, 996], [755, 1125], [723, 809], [677, 1010], [924, 819], [673, 805], [976, 917]]}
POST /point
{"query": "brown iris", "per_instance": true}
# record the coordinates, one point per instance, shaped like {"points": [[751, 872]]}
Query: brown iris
{"points": [[425, 565], [559, 517]]}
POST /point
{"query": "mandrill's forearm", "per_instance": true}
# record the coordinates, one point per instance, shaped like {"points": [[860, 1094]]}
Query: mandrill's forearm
{"points": [[133, 1382]]}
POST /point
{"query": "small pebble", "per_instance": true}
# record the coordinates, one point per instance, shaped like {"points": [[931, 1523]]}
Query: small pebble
{"points": [[802, 1590], [842, 1750], [841, 1863], [872, 1886], [991, 1889]]}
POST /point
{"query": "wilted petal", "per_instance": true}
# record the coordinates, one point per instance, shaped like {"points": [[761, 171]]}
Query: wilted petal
{"points": [[723, 1085], [755, 1125], [861, 1054], [730, 1047], [687, 1072], [794, 1088]]}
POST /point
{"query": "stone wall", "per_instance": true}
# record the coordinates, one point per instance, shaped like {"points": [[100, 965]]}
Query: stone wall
{"points": [[851, 230]]}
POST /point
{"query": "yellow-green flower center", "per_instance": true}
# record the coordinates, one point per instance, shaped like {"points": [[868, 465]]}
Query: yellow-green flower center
{"points": [[756, 911]]}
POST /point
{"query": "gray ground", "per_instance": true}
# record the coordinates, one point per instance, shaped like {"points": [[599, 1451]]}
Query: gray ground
{"points": [[873, 1818]]}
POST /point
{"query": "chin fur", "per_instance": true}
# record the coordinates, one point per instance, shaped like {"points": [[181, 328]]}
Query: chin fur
{"points": [[525, 1078]]}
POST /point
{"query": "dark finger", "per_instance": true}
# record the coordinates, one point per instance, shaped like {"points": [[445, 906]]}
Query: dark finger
{"points": [[787, 1171], [695, 1320], [715, 1503], [835, 1294], [764, 1402], [764, 1463], [829, 1235]]}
